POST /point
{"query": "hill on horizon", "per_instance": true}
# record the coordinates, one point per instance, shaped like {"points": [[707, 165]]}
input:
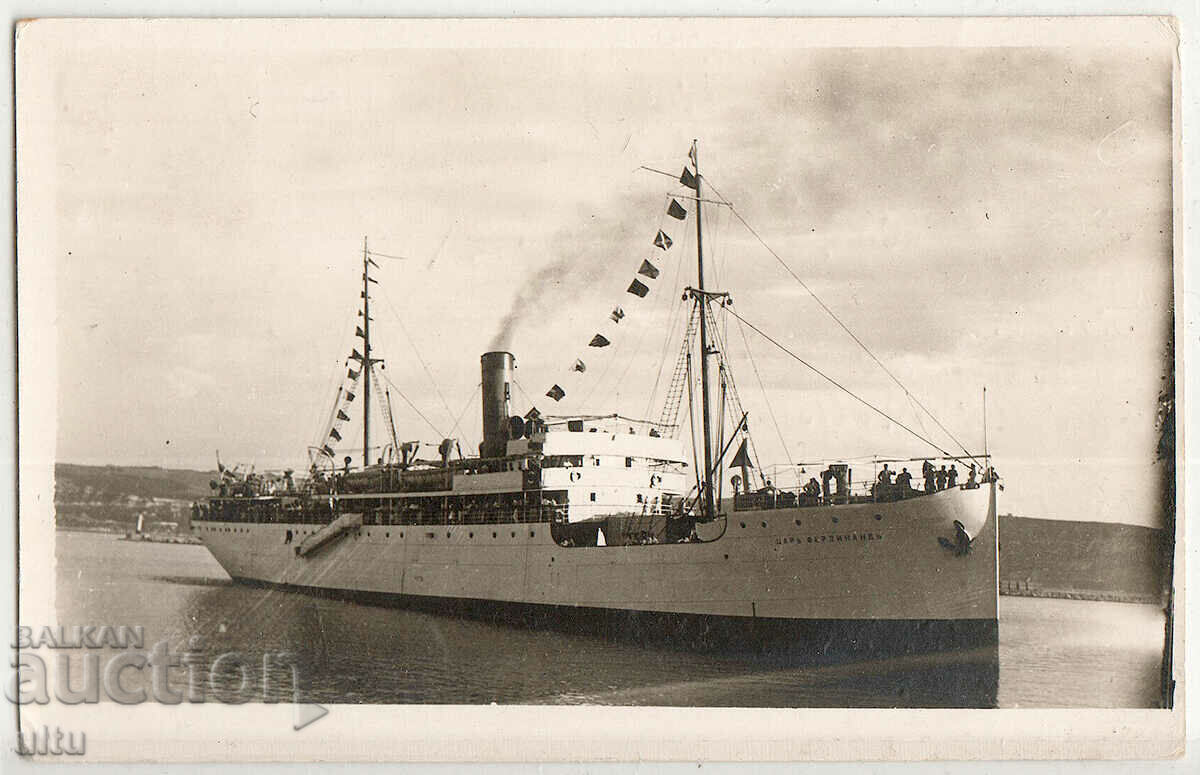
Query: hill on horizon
{"points": [[74, 483]]}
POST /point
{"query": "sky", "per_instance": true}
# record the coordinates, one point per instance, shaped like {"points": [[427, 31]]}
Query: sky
{"points": [[977, 216]]}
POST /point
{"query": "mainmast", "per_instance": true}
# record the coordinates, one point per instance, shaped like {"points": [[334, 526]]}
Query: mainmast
{"points": [[702, 299], [366, 327]]}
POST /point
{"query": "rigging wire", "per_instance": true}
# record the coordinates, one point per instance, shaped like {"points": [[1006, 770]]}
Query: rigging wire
{"points": [[673, 319], [413, 406], [466, 406], [692, 425], [336, 375], [840, 386], [522, 389], [917, 414], [723, 351], [587, 398], [838, 320], [386, 406], [650, 252], [637, 350], [763, 389], [664, 306], [412, 343]]}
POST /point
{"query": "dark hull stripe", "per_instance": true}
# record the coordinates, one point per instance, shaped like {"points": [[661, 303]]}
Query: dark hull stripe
{"points": [[960, 654]]}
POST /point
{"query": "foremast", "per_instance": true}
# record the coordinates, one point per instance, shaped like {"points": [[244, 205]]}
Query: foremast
{"points": [[709, 509], [366, 365]]}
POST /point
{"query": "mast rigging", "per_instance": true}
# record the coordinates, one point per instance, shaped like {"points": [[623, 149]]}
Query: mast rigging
{"points": [[709, 510], [366, 327]]}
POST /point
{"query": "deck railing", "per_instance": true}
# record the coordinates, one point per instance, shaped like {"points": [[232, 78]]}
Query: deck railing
{"points": [[798, 489]]}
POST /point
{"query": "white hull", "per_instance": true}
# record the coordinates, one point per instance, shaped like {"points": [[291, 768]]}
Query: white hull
{"points": [[872, 561]]}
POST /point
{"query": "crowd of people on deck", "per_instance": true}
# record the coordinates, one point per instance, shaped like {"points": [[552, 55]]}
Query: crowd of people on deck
{"points": [[890, 485]]}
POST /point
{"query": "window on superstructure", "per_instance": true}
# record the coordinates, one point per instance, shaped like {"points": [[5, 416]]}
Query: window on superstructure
{"points": [[562, 461], [592, 497], [629, 462]]}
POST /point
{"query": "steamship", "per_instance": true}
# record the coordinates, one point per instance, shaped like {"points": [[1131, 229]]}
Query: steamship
{"points": [[614, 526]]}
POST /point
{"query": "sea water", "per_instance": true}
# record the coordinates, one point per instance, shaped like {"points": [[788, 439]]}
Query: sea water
{"points": [[1053, 653]]}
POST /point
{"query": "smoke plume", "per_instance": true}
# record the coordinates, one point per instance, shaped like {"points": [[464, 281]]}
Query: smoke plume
{"points": [[588, 254]]}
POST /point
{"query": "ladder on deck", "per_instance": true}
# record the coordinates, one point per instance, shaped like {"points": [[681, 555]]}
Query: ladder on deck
{"points": [[669, 421]]}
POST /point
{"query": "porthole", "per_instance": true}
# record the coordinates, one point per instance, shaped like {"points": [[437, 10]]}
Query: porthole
{"points": [[764, 524], [878, 517], [727, 557], [531, 534], [835, 519], [387, 535], [493, 534], [447, 534], [514, 534], [470, 535], [743, 524], [402, 534], [797, 523]]}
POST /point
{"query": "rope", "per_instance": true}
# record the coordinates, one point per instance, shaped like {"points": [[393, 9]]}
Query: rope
{"points": [[413, 344], [413, 406], [723, 350], [763, 389], [466, 406], [650, 252], [387, 408], [662, 357], [674, 316], [522, 389], [843, 326], [839, 385], [336, 375]]}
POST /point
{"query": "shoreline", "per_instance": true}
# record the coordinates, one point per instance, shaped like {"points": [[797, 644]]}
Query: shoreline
{"points": [[1086, 595]]}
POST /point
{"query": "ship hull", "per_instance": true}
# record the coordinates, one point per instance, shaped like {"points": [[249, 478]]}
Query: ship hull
{"points": [[815, 584]]}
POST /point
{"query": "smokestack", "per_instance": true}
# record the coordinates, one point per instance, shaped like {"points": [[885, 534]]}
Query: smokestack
{"points": [[496, 369]]}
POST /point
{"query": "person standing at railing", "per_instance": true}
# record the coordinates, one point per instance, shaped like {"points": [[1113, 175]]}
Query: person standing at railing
{"points": [[971, 483], [940, 478], [904, 483], [927, 471], [951, 476], [826, 475]]}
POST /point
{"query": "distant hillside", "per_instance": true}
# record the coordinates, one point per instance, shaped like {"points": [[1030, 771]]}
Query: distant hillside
{"points": [[112, 497], [103, 483], [1089, 560]]}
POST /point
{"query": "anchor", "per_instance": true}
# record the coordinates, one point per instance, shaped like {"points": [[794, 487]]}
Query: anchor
{"points": [[962, 541]]}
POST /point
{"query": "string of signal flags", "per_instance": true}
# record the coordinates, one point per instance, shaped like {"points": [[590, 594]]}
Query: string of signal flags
{"points": [[638, 287], [349, 388]]}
